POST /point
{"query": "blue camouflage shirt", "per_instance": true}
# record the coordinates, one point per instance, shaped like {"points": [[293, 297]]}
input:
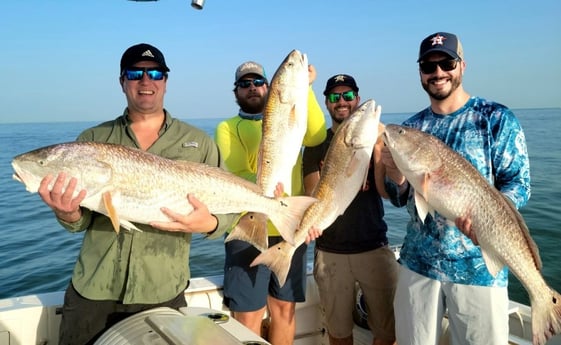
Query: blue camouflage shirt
{"points": [[489, 136]]}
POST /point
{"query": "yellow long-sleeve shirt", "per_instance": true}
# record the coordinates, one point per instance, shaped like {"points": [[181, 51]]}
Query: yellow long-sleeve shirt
{"points": [[238, 140]]}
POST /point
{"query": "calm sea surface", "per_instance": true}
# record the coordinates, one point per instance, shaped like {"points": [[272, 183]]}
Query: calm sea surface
{"points": [[37, 255]]}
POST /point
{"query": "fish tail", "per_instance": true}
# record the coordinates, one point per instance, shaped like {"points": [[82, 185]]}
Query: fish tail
{"points": [[546, 317], [251, 228], [278, 259], [288, 214]]}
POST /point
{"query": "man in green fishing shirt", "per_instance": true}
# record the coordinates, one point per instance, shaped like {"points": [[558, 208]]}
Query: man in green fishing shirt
{"points": [[118, 274]]}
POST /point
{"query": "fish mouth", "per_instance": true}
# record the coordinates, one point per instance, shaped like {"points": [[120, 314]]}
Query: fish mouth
{"points": [[18, 174], [16, 177], [385, 138]]}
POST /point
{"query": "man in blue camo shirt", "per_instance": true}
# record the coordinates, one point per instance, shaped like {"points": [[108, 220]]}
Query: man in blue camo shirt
{"points": [[441, 268]]}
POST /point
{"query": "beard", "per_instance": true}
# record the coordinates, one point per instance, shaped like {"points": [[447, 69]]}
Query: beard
{"points": [[440, 95], [253, 105], [337, 117]]}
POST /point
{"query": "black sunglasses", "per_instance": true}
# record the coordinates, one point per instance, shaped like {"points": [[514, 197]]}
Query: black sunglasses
{"points": [[244, 84], [136, 73], [429, 67], [347, 96]]}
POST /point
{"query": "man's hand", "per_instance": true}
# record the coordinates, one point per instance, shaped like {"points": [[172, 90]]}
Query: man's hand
{"points": [[312, 74], [392, 170], [279, 190], [313, 233], [464, 224], [60, 197], [198, 220]]}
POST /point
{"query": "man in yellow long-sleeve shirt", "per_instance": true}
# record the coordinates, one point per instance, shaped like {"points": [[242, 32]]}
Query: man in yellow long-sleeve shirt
{"points": [[248, 291]]}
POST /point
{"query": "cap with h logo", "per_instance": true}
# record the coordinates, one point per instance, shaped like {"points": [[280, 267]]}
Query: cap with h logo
{"points": [[340, 80], [442, 42]]}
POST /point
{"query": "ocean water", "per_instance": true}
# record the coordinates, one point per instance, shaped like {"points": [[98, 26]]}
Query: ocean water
{"points": [[37, 255]]}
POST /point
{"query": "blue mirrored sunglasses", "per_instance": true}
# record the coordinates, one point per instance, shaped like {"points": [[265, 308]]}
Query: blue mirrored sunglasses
{"points": [[136, 73], [244, 84]]}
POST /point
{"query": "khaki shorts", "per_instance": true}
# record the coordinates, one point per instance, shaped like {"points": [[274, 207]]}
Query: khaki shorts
{"points": [[375, 271]]}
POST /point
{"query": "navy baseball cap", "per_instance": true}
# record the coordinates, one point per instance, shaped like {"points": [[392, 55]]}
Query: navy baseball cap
{"points": [[340, 79], [443, 42], [142, 52]]}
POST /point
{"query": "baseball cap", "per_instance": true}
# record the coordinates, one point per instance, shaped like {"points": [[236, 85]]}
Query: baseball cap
{"points": [[442, 42], [340, 79], [143, 52], [249, 67]]}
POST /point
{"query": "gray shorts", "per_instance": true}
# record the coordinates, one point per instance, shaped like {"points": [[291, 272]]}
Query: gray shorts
{"points": [[246, 288]]}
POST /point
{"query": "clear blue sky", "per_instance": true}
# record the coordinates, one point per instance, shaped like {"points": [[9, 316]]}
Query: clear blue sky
{"points": [[60, 59]]}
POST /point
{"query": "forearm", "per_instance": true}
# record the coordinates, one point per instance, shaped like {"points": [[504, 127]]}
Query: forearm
{"points": [[397, 193], [225, 222], [78, 225]]}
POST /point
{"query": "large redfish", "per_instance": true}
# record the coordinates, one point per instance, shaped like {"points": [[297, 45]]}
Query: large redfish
{"points": [[284, 123], [284, 126], [131, 186], [344, 173], [447, 183]]}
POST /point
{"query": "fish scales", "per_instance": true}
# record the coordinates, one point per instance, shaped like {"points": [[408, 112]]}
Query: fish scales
{"points": [[447, 183], [343, 173], [284, 123], [140, 183]]}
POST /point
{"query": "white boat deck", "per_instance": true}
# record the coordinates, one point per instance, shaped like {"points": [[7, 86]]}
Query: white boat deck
{"points": [[35, 319]]}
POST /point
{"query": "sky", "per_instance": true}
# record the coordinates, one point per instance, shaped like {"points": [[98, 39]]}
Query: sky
{"points": [[60, 59]]}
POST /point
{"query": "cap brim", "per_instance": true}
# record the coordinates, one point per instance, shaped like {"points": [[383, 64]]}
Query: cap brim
{"points": [[448, 52], [246, 74], [353, 87]]}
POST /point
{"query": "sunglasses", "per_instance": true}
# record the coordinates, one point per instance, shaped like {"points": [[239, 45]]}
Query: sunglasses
{"points": [[429, 67], [244, 84], [137, 73], [347, 96]]}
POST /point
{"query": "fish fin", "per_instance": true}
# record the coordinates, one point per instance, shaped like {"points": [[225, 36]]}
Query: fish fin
{"points": [[352, 166], [251, 228], [546, 316], [129, 226], [287, 217], [355, 164], [278, 259], [292, 118], [111, 212], [423, 208], [425, 184], [493, 263]]}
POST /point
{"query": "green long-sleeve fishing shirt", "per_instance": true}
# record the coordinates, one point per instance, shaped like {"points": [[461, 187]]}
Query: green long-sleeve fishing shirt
{"points": [[145, 267]]}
